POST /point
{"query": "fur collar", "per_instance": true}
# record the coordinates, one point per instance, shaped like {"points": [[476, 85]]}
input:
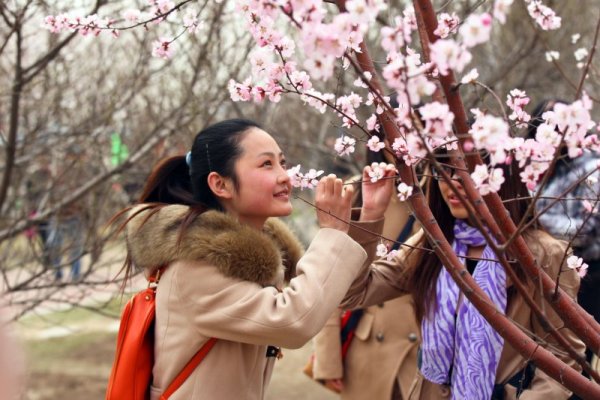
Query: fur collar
{"points": [[237, 250]]}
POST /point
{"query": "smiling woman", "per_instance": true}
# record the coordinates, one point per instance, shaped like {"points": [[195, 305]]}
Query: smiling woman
{"points": [[206, 222]]}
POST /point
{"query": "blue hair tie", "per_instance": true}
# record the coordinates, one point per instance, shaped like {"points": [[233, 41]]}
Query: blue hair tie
{"points": [[188, 159]]}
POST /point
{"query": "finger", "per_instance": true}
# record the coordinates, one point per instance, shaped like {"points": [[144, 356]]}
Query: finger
{"points": [[366, 171], [330, 184], [320, 188], [337, 188], [347, 196]]}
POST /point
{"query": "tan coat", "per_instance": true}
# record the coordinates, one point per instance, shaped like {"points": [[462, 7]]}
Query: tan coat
{"points": [[386, 280], [384, 349], [224, 281]]}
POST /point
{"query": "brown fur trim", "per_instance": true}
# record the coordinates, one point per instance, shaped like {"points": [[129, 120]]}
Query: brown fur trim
{"points": [[239, 251], [291, 248]]}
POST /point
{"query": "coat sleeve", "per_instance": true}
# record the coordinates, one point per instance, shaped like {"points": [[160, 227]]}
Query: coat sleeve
{"points": [[242, 311], [382, 279], [328, 350], [543, 387]]}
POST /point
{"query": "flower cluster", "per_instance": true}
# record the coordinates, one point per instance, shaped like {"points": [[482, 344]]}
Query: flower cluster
{"points": [[543, 15], [485, 181], [447, 24], [577, 264], [345, 145], [382, 252], [404, 191], [375, 144], [94, 25], [301, 180], [516, 100]]}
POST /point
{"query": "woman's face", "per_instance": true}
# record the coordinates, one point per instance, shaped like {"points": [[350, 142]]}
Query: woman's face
{"points": [[457, 209], [264, 186]]}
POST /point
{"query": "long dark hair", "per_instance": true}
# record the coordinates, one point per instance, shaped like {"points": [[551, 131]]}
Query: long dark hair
{"points": [[215, 149], [425, 274]]}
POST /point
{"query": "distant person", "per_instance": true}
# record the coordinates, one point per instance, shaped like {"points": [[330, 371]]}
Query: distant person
{"points": [[37, 190], [569, 218], [66, 229]]}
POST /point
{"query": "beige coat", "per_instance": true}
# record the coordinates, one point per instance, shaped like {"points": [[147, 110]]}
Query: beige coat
{"points": [[224, 280], [386, 280], [384, 349]]}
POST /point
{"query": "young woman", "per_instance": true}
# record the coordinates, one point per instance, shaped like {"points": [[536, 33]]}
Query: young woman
{"points": [[207, 220], [461, 356]]}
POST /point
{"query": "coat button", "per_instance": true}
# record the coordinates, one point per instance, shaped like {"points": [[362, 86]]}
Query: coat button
{"points": [[412, 337], [379, 337]]}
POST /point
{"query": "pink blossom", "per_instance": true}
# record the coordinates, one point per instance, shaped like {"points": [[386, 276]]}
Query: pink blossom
{"points": [[576, 263], [320, 68], [501, 8], [132, 15], [543, 15], [485, 182], [492, 134], [300, 80], [240, 91], [373, 125], [376, 172], [391, 255], [301, 180], [375, 144], [344, 145], [364, 11], [404, 191], [393, 38], [470, 77], [589, 207], [447, 54], [191, 22], [516, 100], [382, 250], [163, 48], [317, 99], [476, 29], [447, 24], [437, 118]]}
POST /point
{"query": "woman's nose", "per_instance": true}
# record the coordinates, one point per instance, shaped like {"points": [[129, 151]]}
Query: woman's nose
{"points": [[283, 176]]}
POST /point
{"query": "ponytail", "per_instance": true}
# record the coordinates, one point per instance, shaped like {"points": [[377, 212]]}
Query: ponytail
{"points": [[169, 183]]}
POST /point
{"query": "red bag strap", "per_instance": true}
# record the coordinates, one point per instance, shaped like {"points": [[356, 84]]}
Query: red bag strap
{"points": [[196, 359], [188, 369]]}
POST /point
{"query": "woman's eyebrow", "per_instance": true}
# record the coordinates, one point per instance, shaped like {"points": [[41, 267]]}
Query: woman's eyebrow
{"points": [[270, 154]]}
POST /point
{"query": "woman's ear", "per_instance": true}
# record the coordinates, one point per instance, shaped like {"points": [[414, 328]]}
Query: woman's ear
{"points": [[222, 187]]}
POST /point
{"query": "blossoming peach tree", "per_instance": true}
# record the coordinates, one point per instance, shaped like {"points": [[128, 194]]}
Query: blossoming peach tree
{"points": [[408, 107]]}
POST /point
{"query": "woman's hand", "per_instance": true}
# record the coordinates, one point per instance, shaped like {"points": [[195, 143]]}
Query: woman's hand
{"points": [[376, 195], [334, 384], [334, 203]]}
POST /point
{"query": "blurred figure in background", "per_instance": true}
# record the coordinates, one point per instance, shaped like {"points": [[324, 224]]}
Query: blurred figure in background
{"points": [[381, 360], [573, 218]]}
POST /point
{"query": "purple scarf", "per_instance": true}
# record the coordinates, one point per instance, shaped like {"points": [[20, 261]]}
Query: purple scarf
{"points": [[462, 342]]}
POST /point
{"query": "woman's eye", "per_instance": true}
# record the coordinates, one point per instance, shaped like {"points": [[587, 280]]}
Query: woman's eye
{"points": [[266, 164], [283, 163]]}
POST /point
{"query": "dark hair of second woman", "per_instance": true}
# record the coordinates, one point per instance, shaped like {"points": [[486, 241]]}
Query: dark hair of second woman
{"points": [[425, 274]]}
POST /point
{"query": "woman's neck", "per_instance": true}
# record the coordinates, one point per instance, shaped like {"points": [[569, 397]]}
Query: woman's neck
{"points": [[475, 252]]}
